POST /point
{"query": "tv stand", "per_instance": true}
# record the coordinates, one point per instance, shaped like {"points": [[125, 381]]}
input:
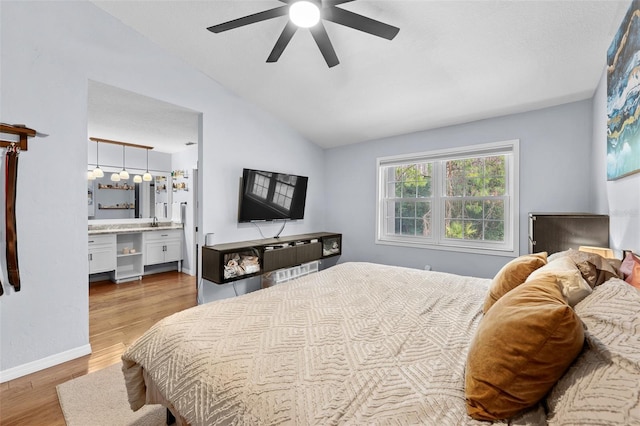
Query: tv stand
{"points": [[223, 263]]}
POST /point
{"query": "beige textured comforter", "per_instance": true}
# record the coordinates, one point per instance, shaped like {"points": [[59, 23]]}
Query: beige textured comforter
{"points": [[358, 343]]}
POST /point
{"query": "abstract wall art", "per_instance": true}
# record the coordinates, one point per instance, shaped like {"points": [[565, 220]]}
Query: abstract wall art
{"points": [[623, 97]]}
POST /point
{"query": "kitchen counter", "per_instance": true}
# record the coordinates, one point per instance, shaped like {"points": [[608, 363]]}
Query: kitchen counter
{"points": [[132, 227]]}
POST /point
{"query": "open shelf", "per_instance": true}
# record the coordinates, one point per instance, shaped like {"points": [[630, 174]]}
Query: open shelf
{"points": [[129, 266], [223, 263], [101, 207], [129, 254]]}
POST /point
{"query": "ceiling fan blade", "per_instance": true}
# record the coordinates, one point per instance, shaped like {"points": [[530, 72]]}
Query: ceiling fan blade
{"points": [[359, 22], [325, 3], [250, 19], [329, 3], [321, 37], [283, 41]]}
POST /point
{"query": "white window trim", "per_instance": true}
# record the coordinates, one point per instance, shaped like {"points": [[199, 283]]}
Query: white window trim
{"points": [[511, 246]]}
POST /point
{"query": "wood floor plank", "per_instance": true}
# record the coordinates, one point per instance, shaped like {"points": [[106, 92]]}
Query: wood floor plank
{"points": [[118, 315]]}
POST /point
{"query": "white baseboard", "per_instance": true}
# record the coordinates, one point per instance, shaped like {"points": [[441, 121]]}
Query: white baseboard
{"points": [[41, 364]]}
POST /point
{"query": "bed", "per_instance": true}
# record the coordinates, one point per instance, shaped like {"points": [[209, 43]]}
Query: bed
{"points": [[362, 343]]}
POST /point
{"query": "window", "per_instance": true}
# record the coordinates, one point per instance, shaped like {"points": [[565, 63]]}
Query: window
{"points": [[261, 182], [283, 193], [274, 189], [460, 199]]}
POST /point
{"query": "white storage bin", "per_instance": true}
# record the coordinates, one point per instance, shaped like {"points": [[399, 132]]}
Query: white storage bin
{"points": [[314, 266], [283, 275]]}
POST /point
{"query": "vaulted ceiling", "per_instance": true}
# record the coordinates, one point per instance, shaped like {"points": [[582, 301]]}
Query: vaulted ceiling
{"points": [[452, 61]]}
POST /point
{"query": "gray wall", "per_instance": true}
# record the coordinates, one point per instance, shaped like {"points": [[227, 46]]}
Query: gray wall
{"points": [[555, 155], [620, 199], [187, 160]]}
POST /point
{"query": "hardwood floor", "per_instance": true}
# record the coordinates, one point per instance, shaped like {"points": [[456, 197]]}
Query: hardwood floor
{"points": [[118, 314]]}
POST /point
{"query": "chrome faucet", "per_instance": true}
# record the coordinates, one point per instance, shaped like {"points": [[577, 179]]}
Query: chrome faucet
{"points": [[154, 223]]}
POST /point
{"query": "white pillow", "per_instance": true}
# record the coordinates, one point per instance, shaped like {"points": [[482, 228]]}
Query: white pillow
{"points": [[567, 274]]}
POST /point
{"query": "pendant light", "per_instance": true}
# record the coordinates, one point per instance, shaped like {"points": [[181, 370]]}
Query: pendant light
{"points": [[147, 176], [137, 179], [97, 172], [90, 175], [124, 175], [115, 177]]}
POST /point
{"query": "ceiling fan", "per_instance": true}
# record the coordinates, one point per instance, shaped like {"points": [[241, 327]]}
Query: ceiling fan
{"points": [[315, 11]]}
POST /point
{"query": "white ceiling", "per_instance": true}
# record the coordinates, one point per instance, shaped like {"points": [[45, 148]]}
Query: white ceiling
{"points": [[452, 61], [119, 115]]}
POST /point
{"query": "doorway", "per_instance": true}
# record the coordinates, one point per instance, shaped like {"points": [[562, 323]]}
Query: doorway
{"points": [[173, 133]]}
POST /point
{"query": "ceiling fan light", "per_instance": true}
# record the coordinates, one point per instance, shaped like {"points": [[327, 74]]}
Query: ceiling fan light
{"points": [[304, 14], [137, 179]]}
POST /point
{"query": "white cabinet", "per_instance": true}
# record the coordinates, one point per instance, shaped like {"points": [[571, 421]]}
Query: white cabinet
{"points": [[125, 254], [102, 253], [162, 247]]}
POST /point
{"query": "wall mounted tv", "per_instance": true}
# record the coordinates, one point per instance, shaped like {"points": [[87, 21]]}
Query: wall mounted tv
{"points": [[267, 196]]}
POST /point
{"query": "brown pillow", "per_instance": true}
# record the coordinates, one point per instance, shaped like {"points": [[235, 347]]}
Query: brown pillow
{"points": [[512, 275], [594, 268], [523, 345]]}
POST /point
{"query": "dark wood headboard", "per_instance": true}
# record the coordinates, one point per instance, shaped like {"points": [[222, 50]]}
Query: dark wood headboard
{"points": [[554, 232]]}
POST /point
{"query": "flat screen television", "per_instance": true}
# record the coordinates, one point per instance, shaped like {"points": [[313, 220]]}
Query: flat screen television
{"points": [[268, 196]]}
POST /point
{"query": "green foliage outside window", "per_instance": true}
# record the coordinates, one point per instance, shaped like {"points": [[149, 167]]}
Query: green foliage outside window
{"points": [[412, 189], [470, 213], [462, 199], [474, 209]]}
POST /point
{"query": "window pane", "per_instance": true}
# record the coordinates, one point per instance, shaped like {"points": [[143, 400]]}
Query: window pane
{"points": [[283, 194], [409, 190], [455, 186], [453, 229], [423, 219], [398, 189], [408, 210], [455, 168], [494, 209], [401, 173], [473, 167], [475, 187], [408, 227], [494, 230], [473, 230], [261, 184], [495, 166], [453, 209], [424, 188], [423, 209], [496, 186], [473, 209]]}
